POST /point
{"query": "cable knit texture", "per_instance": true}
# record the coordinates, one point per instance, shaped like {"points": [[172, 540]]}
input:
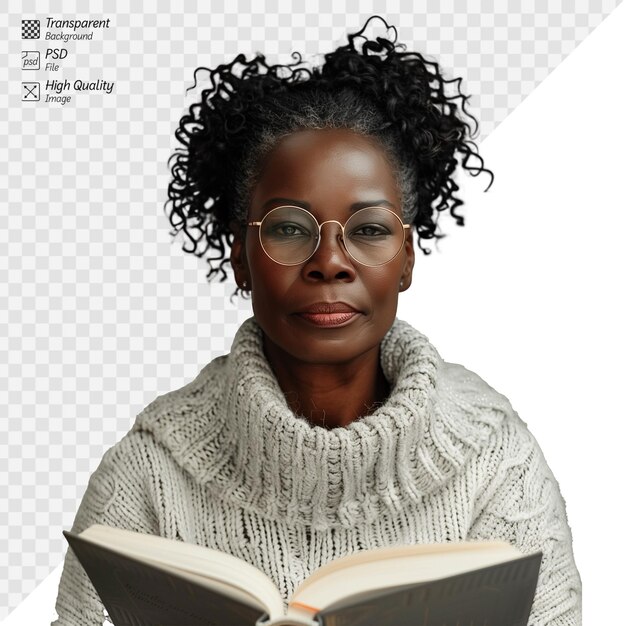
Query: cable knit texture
{"points": [[223, 462]]}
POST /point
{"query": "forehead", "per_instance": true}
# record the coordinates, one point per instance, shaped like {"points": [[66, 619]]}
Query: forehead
{"points": [[319, 167]]}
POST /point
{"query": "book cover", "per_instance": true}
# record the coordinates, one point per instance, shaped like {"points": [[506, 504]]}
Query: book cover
{"points": [[140, 593]]}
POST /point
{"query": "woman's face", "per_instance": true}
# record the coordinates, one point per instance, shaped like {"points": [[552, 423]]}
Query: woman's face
{"points": [[329, 172]]}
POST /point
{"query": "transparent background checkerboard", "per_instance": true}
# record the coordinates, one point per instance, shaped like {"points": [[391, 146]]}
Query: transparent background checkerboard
{"points": [[101, 311]]}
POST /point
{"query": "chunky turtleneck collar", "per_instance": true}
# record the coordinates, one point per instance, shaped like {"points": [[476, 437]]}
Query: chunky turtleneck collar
{"points": [[232, 430]]}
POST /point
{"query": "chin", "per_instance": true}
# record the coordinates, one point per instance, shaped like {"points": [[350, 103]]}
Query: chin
{"points": [[331, 347]]}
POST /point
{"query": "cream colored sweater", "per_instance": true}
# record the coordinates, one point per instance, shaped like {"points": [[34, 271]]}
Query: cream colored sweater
{"points": [[223, 462]]}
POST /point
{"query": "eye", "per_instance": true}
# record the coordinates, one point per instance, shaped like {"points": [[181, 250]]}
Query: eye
{"points": [[370, 230], [289, 229]]}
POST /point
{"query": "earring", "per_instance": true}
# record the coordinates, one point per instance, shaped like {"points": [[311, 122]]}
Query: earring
{"points": [[401, 283], [244, 285]]}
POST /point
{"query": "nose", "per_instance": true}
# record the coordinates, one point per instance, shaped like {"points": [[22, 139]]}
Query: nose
{"points": [[331, 260]]}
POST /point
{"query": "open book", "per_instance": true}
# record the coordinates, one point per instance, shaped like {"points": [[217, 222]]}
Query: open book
{"points": [[145, 580]]}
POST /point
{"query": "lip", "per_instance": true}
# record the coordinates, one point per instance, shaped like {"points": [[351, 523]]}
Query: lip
{"points": [[328, 308], [329, 313]]}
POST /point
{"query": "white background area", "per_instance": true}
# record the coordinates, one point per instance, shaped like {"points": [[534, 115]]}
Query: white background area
{"points": [[530, 295]]}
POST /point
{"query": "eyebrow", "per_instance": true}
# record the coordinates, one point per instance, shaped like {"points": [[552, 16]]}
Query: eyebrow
{"points": [[306, 205]]}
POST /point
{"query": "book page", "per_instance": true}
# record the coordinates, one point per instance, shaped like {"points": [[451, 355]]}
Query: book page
{"points": [[497, 595], [397, 565]]}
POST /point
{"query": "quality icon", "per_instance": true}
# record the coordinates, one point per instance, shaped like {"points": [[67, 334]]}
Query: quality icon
{"points": [[30, 92]]}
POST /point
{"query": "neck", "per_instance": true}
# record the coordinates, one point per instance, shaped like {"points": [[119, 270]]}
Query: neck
{"points": [[329, 395]]}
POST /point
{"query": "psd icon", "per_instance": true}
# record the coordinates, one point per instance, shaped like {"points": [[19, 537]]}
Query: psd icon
{"points": [[30, 59], [30, 29]]}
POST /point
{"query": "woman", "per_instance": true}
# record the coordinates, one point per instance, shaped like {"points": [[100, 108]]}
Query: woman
{"points": [[331, 426]]}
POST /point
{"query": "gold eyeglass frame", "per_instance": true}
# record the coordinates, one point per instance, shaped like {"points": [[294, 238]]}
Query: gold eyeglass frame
{"points": [[341, 236]]}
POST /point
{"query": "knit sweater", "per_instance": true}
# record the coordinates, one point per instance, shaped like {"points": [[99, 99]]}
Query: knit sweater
{"points": [[223, 462]]}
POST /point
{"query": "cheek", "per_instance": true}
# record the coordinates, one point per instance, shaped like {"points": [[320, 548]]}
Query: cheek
{"points": [[261, 267], [271, 282], [383, 285]]}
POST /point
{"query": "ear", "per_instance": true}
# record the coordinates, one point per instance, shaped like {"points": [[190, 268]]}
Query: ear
{"points": [[407, 271], [238, 259]]}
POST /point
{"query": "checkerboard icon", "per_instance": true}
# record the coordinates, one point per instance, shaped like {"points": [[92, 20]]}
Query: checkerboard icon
{"points": [[30, 29]]}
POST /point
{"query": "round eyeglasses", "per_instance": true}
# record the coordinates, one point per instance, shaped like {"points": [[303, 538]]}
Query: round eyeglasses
{"points": [[372, 236]]}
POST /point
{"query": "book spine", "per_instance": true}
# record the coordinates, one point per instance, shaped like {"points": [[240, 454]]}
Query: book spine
{"points": [[283, 620]]}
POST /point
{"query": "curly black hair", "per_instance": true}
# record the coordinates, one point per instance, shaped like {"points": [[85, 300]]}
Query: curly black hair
{"points": [[373, 87]]}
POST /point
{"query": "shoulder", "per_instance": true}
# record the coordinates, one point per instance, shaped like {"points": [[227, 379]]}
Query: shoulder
{"points": [[486, 417], [509, 453], [509, 468], [167, 428], [170, 411], [129, 457], [130, 475], [463, 387], [463, 394], [133, 462]]}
